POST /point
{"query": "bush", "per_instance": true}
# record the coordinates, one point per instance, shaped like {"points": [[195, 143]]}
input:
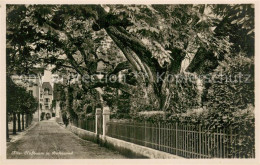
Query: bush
{"points": [[186, 94], [229, 97], [152, 116], [231, 102], [120, 116]]}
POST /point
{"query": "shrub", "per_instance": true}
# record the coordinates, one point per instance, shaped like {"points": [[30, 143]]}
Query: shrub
{"points": [[230, 97], [152, 116], [186, 93]]}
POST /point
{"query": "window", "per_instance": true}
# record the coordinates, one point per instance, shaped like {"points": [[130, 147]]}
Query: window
{"points": [[46, 107], [46, 101], [46, 91]]}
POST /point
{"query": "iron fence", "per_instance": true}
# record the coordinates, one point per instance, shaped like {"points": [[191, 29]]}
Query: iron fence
{"points": [[189, 141], [86, 124]]}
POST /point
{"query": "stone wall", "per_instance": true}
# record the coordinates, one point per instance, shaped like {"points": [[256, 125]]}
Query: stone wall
{"points": [[128, 149]]}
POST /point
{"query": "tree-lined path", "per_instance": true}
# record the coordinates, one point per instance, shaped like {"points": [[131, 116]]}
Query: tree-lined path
{"points": [[48, 137], [187, 65]]}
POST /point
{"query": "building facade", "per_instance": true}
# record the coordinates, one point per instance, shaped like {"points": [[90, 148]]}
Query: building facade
{"points": [[42, 91], [32, 83], [46, 97]]}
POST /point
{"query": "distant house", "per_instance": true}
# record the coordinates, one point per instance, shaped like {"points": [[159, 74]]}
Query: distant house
{"points": [[42, 91], [32, 83], [46, 97]]}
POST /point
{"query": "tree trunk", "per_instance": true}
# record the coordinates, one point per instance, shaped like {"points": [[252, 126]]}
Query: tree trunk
{"points": [[14, 124], [140, 58], [27, 120], [22, 121], [7, 128], [30, 119], [19, 122]]}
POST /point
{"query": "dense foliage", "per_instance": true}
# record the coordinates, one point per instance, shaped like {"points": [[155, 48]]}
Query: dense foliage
{"points": [[19, 100], [19, 103], [148, 39]]}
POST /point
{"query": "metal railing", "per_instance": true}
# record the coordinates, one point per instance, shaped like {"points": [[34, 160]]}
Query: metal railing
{"points": [[86, 124], [189, 141]]}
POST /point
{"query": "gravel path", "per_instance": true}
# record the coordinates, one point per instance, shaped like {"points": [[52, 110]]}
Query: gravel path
{"points": [[48, 140]]}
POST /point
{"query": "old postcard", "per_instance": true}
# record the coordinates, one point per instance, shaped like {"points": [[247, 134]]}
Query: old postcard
{"points": [[93, 82]]}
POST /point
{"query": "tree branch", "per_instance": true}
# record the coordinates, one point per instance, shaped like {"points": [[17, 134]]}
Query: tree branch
{"points": [[121, 66], [130, 89], [68, 52]]}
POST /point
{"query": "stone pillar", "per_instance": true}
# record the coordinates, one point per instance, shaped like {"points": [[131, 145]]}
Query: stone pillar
{"points": [[106, 118], [98, 117]]}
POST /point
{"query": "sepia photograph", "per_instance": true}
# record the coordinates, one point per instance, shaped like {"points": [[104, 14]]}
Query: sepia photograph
{"points": [[130, 81]]}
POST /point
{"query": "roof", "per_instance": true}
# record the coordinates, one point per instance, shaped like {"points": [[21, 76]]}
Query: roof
{"points": [[47, 85]]}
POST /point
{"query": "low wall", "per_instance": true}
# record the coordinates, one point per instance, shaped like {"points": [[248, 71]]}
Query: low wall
{"points": [[83, 134], [130, 150]]}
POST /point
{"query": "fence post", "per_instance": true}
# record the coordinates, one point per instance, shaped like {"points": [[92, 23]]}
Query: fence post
{"points": [[159, 135], [200, 140], [106, 118], [231, 142], [176, 133], [98, 115], [145, 136]]}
